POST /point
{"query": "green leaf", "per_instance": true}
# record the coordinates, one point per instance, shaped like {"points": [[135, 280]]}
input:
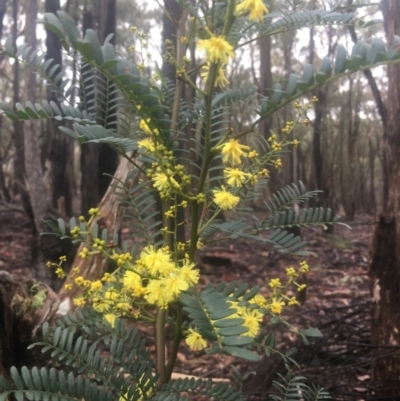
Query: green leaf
{"points": [[312, 332], [341, 59], [237, 340], [242, 353]]}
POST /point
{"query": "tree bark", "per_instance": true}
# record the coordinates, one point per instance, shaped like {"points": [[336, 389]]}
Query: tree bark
{"points": [[98, 161], [35, 182], [112, 213], [25, 305], [60, 149], [384, 269]]}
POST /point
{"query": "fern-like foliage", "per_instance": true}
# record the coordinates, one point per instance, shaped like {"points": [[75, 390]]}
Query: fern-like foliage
{"points": [[294, 389], [78, 343], [211, 312]]}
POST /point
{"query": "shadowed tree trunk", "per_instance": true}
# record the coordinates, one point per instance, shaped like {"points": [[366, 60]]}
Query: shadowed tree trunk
{"points": [[98, 159], [34, 174], [385, 253], [60, 149]]}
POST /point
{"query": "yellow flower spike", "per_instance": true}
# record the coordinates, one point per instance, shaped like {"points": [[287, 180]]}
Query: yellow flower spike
{"points": [[224, 199], [195, 341], [276, 306], [217, 49], [233, 151], [255, 8], [235, 177]]}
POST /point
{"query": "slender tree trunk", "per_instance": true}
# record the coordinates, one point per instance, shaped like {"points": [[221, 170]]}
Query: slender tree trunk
{"points": [[60, 149], [98, 162], [35, 182], [385, 253]]}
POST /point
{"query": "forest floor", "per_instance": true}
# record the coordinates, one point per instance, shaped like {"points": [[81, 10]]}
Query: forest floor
{"points": [[337, 303]]}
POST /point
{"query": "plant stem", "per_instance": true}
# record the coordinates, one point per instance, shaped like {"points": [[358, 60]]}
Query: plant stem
{"points": [[176, 342], [160, 344]]}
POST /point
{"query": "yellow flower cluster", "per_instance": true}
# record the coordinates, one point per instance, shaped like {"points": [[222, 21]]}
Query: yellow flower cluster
{"points": [[278, 289], [153, 279], [255, 8]]}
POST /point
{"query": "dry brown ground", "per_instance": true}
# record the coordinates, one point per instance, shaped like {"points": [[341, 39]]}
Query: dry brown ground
{"points": [[337, 303]]}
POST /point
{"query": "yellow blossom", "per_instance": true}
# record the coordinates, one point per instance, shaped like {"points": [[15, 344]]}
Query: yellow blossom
{"points": [[163, 181], [252, 322], [275, 283], [96, 285], [235, 177], [94, 211], [233, 151], [253, 154], [60, 272], [110, 317], [224, 199], [291, 272], [187, 273], [195, 341], [68, 287], [80, 301], [304, 268], [256, 8], [220, 80], [155, 260], [131, 280], [156, 294], [174, 285], [148, 144], [260, 301], [101, 305], [301, 287], [84, 254], [293, 301], [276, 306], [217, 49], [144, 126]]}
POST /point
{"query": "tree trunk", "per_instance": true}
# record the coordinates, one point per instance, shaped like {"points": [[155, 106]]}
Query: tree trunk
{"points": [[112, 213], [25, 305], [33, 167], [385, 253], [60, 149], [98, 161]]}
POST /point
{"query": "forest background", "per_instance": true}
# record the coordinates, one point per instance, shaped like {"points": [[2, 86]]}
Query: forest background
{"points": [[348, 149]]}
